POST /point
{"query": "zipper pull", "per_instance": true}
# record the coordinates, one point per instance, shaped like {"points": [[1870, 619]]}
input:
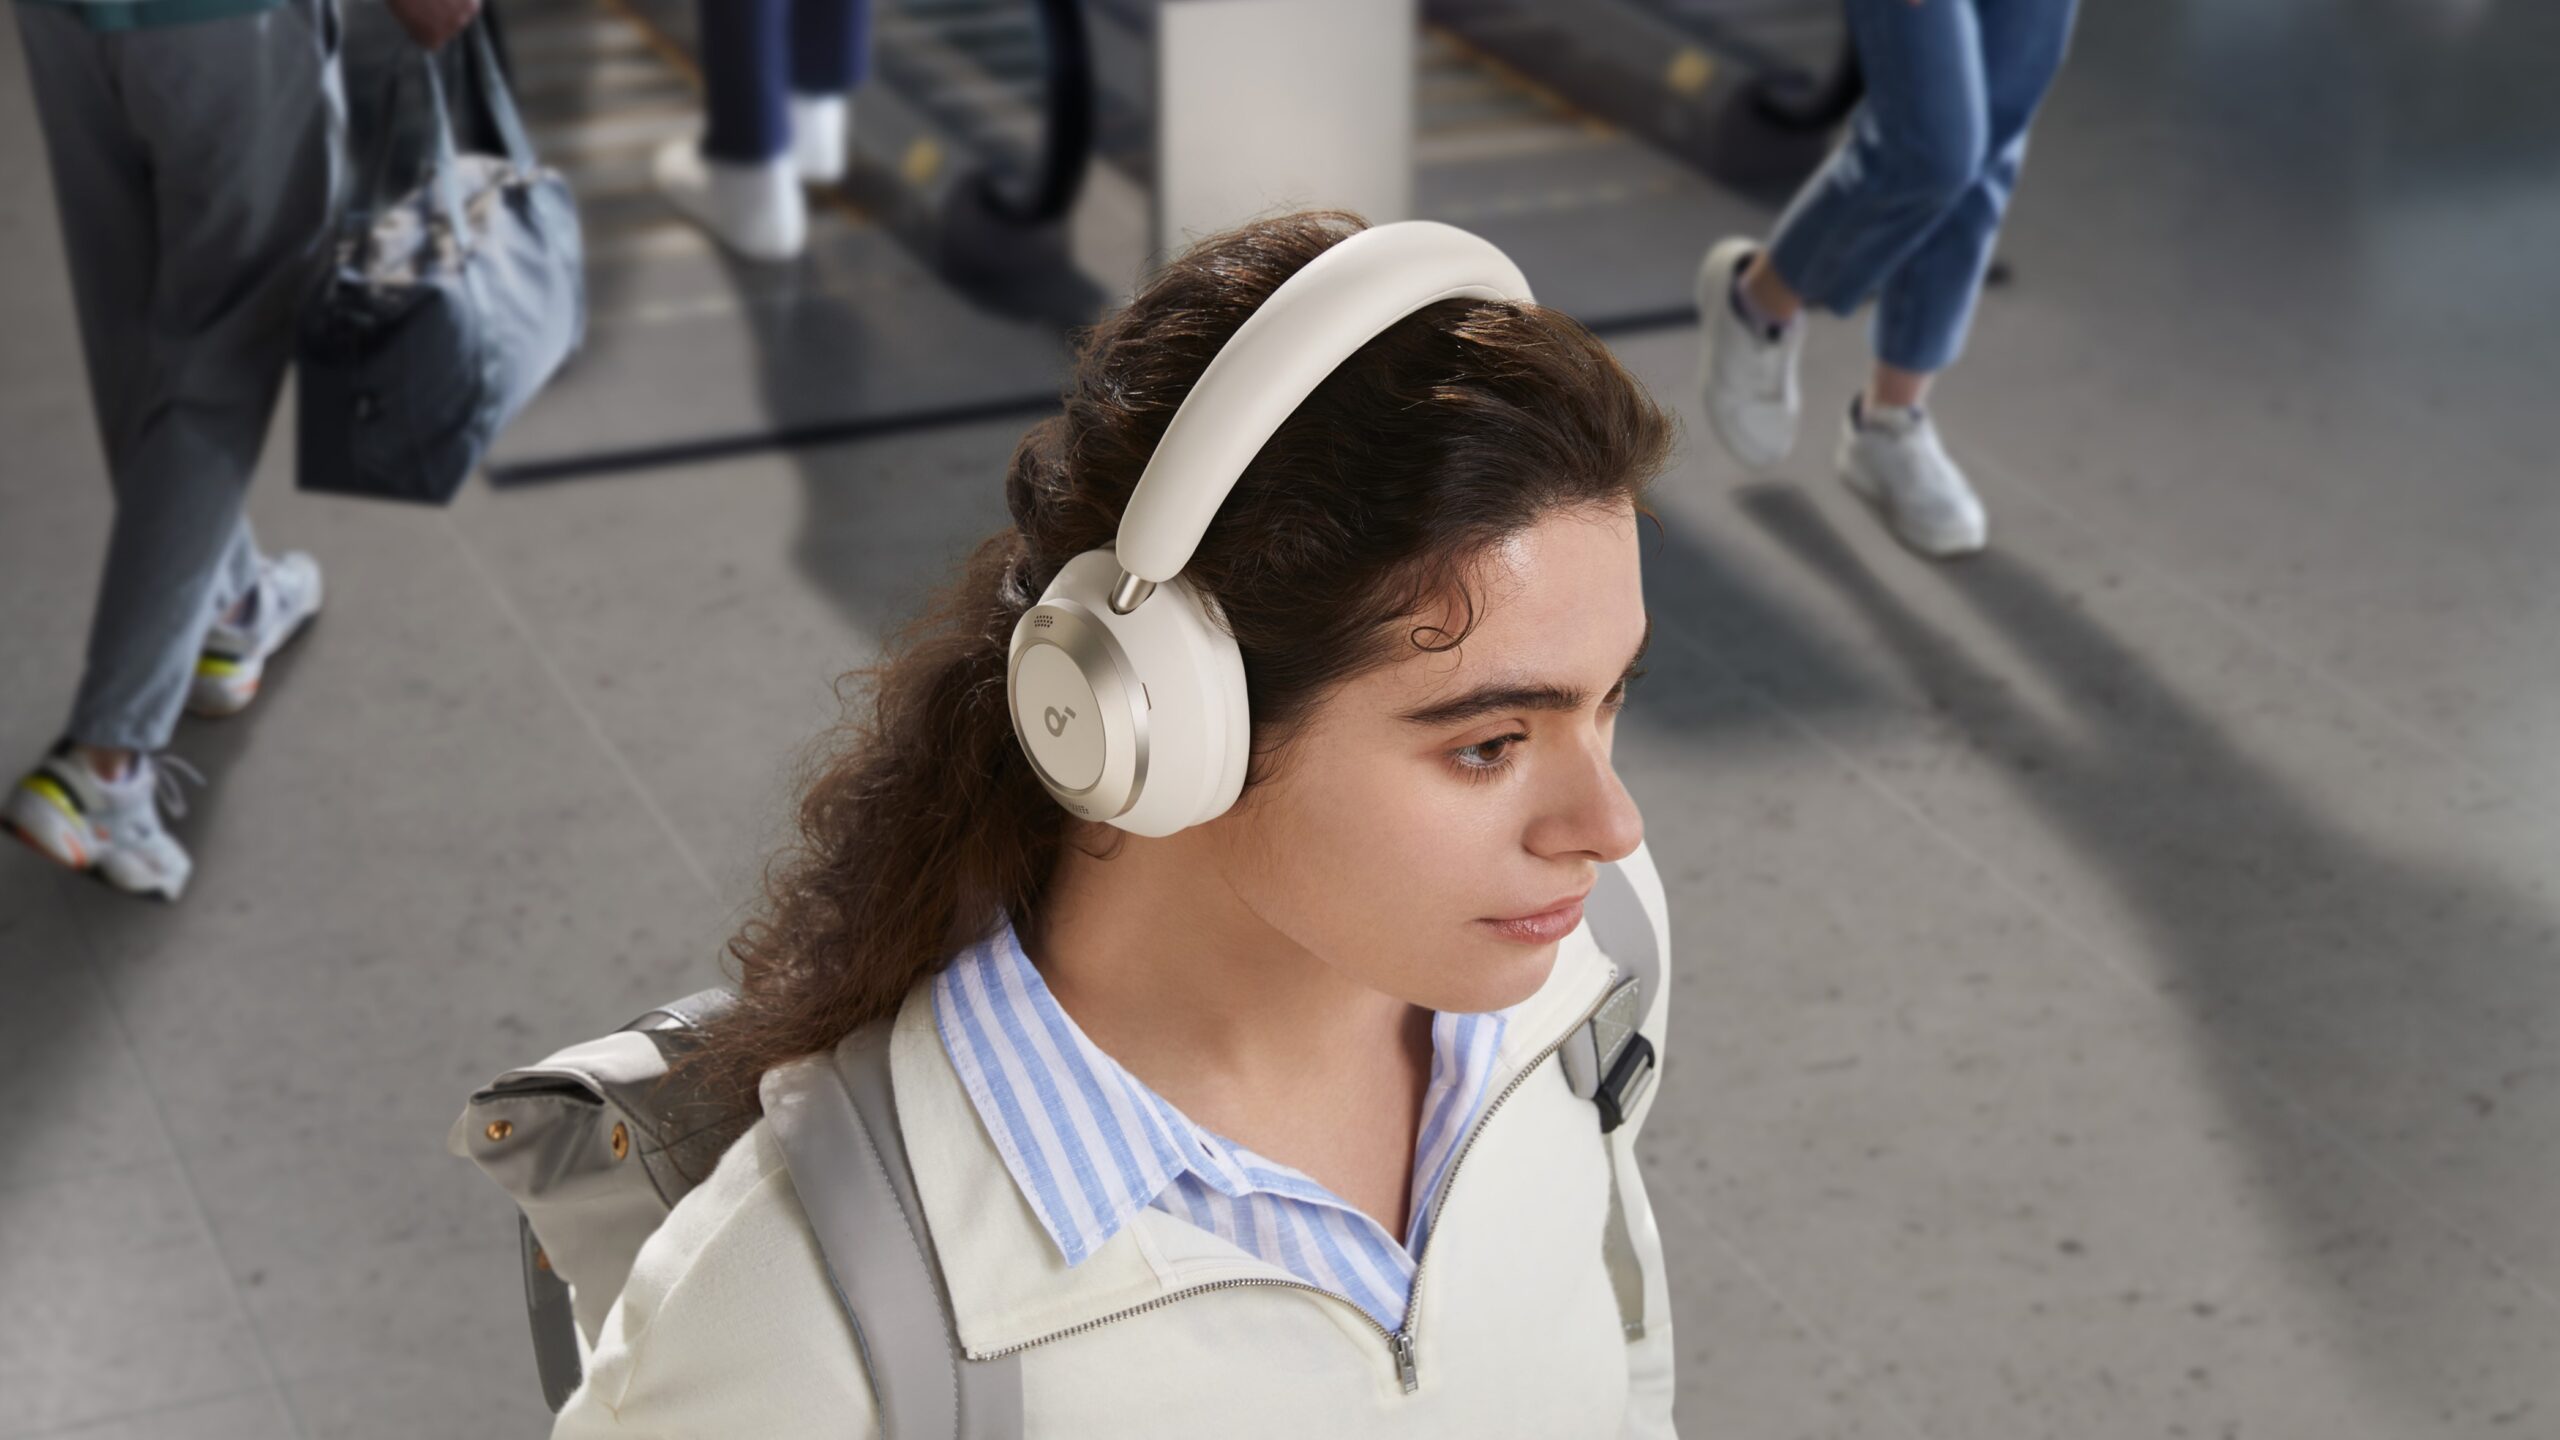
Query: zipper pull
{"points": [[1400, 1345]]}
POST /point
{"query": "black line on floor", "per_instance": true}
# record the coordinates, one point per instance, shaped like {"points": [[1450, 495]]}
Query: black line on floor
{"points": [[753, 442]]}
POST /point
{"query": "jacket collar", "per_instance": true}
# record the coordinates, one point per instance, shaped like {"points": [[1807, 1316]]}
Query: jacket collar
{"points": [[1010, 1285]]}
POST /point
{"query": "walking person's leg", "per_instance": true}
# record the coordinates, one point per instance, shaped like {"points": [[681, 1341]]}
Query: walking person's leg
{"points": [[242, 118], [830, 55], [1889, 447], [193, 169], [1913, 146], [740, 181], [1926, 306]]}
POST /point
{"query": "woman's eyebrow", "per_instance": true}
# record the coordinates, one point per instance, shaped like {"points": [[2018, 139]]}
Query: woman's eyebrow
{"points": [[1502, 695]]}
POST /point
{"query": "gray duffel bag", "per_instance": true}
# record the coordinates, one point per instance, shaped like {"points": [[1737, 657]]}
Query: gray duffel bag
{"points": [[442, 312]]}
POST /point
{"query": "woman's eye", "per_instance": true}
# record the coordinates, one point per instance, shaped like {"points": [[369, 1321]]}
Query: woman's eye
{"points": [[1488, 756]]}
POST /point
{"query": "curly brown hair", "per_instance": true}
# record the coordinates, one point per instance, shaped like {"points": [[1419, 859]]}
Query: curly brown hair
{"points": [[1459, 426]]}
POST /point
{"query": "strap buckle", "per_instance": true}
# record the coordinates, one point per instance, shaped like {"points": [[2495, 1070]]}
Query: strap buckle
{"points": [[1627, 1082]]}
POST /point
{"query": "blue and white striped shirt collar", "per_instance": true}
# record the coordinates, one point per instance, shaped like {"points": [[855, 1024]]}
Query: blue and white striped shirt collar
{"points": [[1091, 1145]]}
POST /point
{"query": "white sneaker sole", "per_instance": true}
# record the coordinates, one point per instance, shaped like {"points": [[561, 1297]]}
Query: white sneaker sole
{"points": [[225, 692], [71, 843], [1867, 488], [219, 696], [774, 237]]}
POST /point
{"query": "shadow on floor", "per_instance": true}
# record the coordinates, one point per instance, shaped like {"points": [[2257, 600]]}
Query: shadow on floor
{"points": [[2397, 1009]]}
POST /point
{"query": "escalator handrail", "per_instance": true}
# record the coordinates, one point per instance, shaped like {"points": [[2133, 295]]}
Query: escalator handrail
{"points": [[1066, 136]]}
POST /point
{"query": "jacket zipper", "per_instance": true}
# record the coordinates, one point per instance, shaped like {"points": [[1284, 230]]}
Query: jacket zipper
{"points": [[1399, 1342], [1402, 1342], [1242, 1282]]}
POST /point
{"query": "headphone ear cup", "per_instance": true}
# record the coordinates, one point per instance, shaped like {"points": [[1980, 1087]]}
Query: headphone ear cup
{"points": [[1231, 732], [1193, 674], [1139, 720]]}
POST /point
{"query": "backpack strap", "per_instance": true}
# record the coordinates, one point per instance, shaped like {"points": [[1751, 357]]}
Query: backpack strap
{"points": [[1610, 1062], [836, 1119], [548, 1306]]}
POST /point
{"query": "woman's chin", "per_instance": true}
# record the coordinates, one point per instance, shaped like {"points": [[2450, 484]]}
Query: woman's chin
{"points": [[1503, 976]]}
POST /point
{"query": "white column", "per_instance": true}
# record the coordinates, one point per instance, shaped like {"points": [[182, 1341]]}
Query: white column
{"points": [[1276, 105]]}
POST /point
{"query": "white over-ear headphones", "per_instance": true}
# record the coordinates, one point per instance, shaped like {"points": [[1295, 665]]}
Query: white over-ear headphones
{"points": [[1126, 688]]}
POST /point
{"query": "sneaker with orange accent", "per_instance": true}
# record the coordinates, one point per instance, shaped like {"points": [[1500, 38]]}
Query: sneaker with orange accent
{"points": [[235, 654], [108, 828]]}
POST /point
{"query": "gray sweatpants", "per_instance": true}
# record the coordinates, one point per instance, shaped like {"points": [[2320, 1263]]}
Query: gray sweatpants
{"points": [[194, 167]]}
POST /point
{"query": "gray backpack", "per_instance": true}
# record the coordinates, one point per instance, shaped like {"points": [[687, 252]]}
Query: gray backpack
{"points": [[596, 1144]]}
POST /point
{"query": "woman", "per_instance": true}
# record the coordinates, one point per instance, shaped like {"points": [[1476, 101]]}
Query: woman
{"points": [[1905, 214], [1187, 1113]]}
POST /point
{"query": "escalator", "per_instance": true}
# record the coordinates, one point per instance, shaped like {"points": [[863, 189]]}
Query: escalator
{"points": [[937, 283], [1000, 195]]}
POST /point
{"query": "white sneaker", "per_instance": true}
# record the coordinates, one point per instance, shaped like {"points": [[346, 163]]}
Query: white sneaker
{"points": [[755, 210], [106, 828], [235, 656], [1897, 464], [821, 137], [1749, 379]]}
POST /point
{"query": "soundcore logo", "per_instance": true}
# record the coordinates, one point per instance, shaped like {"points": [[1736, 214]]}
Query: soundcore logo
{"points": [[1056, 720]]}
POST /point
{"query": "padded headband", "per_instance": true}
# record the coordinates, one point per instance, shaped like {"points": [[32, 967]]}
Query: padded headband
{"points": [[1343, 299]]}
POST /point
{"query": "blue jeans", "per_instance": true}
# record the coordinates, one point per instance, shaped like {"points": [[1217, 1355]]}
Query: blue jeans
{"points": [[753, 49], [1905, 211]]}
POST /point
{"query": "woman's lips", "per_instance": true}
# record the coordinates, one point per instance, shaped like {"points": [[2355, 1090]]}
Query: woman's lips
{"points": [[1544, 928]]}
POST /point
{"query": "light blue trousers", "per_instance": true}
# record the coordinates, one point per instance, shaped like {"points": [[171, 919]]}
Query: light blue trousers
{"points": [[1906, 210]]}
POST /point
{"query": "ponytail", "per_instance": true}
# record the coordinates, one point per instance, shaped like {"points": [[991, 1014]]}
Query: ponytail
{"points": [[924, 832]]}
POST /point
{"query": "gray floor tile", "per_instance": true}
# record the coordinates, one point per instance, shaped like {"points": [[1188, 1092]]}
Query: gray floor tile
{"points": [[467, 1390], [1750, 1368], [118, 1302], [83, 1106], [2400, 557], [253, 1415], [2217, 847], [703, 614]]}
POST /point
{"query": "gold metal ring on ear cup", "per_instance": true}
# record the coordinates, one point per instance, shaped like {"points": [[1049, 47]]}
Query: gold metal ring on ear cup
{"points": [[1087, 642]]}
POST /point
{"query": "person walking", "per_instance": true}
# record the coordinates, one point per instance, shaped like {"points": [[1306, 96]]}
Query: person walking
{"points": [[193, 145], [1904, 213]]}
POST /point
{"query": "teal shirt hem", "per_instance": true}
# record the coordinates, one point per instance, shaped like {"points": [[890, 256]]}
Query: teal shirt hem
{"points": [[150, 14]]}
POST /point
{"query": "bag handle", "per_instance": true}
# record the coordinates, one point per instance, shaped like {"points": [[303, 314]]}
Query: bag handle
{"points": [[444, 170], [502, 100], [441, 179], [446, 180]]}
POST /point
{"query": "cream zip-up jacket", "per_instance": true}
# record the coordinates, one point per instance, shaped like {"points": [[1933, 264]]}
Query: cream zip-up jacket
{"points": [[728, 1326]]}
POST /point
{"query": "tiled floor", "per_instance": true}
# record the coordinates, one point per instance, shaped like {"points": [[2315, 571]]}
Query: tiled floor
{"points": [[2119, 978]]}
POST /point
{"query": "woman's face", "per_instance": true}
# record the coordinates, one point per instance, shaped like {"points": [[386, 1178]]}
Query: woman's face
{"points": [[1434, 827]]}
